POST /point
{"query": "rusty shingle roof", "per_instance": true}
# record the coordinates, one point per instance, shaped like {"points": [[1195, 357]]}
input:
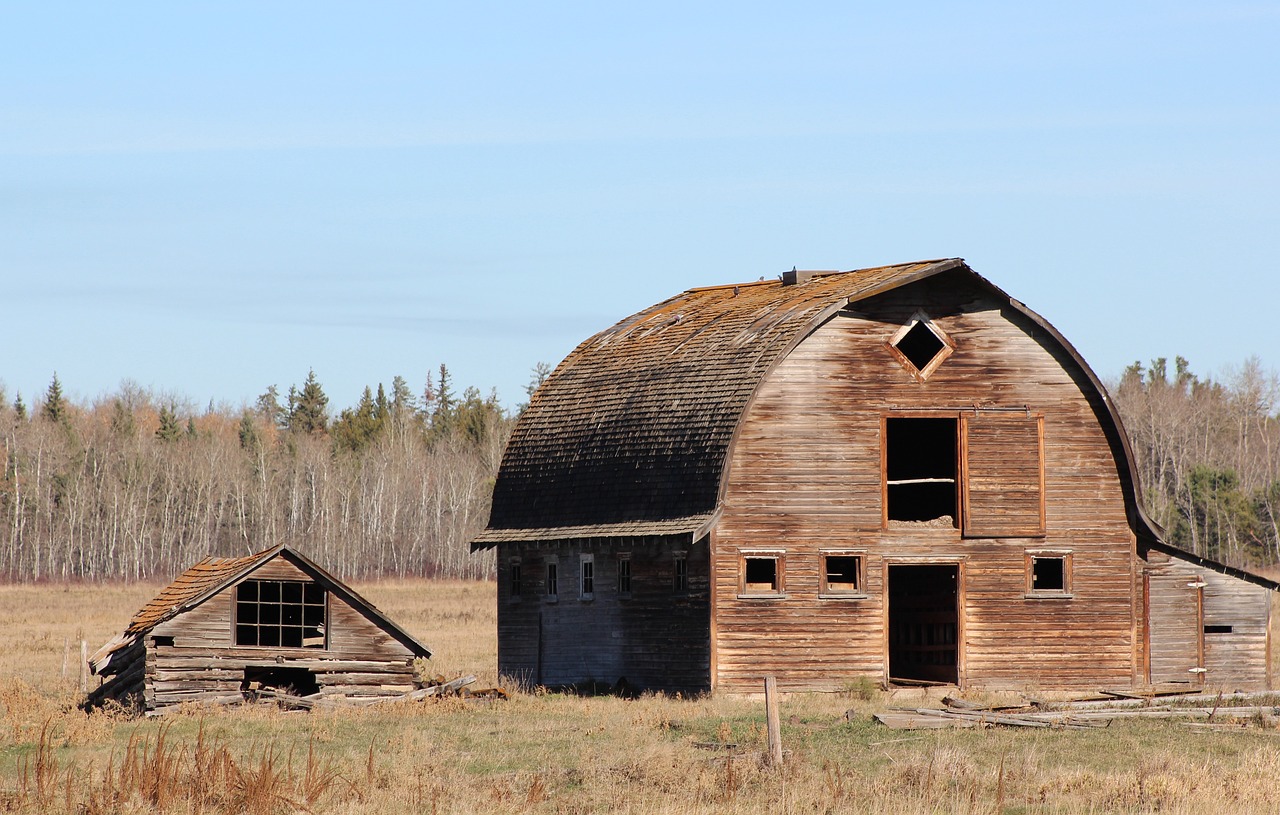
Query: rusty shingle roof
{"points": [[629, 435]]}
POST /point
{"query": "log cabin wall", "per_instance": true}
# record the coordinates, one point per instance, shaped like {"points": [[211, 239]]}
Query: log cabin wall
{"points": [[653, 636], [806, 479], [192, 657], [1207, 627]]}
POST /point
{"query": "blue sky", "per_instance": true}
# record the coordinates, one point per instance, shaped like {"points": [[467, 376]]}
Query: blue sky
{"points": [[207, 199]]}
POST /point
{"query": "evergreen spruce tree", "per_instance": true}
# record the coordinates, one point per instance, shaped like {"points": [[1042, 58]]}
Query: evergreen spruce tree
{"points": [[356, 428], [169, 429], [309, 408], [20, 408], [122, 421], [55, 406], [191, 427], [249, 438], [269, 409]]}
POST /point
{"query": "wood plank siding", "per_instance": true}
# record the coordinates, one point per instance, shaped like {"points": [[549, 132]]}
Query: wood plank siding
{"points": [[897, 472], [654, 636], [807, 474], [1207, 628], [194, 651]]}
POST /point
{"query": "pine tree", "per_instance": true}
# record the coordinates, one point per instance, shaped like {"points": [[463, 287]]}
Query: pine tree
{"points": [[356, 428], [55, 406], [249, 438], [169, 430], [269, 409], [308, 408], [20, 408]]}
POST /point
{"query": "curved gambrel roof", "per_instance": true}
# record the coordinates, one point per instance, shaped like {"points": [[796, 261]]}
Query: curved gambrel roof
{"points": [[630, 435]]}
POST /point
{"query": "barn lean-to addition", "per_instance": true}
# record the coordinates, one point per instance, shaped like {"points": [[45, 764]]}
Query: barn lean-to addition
{"points": [[898, 473], [228, 626]]}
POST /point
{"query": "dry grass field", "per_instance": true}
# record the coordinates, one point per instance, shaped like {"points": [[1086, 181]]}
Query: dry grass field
{"points": [[542, 752]]}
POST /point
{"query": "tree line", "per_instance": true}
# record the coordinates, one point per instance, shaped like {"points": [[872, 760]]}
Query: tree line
{"points": [[137, 486], [1208, 456]]}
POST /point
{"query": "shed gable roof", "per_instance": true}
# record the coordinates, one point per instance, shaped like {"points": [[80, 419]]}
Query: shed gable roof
{"points": [[630, 433], [212, 576]]}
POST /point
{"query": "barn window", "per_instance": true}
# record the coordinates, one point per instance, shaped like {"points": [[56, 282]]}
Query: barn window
{"points": [[841, 575], [280, 613], [587, 585], [517, 583], [553, 579], [761, 574], [680, 573], [920, 468], [920, 346], [1048, 574], [624, 574]]}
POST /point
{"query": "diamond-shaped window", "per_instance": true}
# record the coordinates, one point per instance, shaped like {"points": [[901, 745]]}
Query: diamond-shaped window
{"points": [[921, 346]]}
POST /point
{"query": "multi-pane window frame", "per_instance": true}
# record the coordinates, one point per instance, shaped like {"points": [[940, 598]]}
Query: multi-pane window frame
{"points": [[1064, 558], [515, 579], [623, 581], [297, 611], [586, 576], [551, 590], [680, 572], [839, 591], [750, 560]]}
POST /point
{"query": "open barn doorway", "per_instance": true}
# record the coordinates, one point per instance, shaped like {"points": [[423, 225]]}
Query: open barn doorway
{"points": [[924, 622]]}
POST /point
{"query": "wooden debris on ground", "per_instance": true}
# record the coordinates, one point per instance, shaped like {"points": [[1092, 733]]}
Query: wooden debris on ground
{"points": [[1211, 710]]}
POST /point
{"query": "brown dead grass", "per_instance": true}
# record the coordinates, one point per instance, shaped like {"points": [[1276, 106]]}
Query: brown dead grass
{"points": [[553, 753]]}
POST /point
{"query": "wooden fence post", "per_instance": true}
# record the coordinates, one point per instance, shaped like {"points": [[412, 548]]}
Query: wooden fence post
{"points": [[772, 723]]}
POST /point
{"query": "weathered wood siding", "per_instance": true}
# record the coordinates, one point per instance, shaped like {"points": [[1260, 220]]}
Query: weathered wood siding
{"points": [[203, 663], [655, 637], [806, 475], [1201, 618]]}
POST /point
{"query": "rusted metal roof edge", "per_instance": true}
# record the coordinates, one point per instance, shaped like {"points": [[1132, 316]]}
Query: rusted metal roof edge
{"points": [[692, 527]]}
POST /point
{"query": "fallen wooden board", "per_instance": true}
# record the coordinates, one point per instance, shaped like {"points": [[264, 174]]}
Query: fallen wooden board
{"points": [[909, 720]]}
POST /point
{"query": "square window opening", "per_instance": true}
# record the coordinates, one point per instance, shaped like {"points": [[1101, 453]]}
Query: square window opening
{"points": [[842, 574], [280, 613], [761, 575], [1048, 574], [920, 470]]}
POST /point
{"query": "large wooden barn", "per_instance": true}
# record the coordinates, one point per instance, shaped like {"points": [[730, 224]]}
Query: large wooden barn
{"points": [[898, 473], [273, 620]]}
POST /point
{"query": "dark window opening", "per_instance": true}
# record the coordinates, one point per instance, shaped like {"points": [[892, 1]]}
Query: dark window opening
{"points": [[293, 681], [920, 345], [280, 614], [1048, 574], [920, 469], [161, 642], [760, 575], [1217, 629], [553, 588], [680, 581], [842, 574], [588, 578], [516, 587], [624, 575]]}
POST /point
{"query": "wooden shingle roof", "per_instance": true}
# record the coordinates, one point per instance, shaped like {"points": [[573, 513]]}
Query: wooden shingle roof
{"points": [[629, 435]]}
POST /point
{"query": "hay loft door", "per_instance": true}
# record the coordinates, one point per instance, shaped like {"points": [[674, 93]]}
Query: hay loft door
{"points": [[924, 622]]}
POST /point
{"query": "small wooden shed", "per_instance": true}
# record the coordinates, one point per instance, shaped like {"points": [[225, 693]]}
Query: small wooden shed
{"points": [[228, 626], [898, 473]]}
